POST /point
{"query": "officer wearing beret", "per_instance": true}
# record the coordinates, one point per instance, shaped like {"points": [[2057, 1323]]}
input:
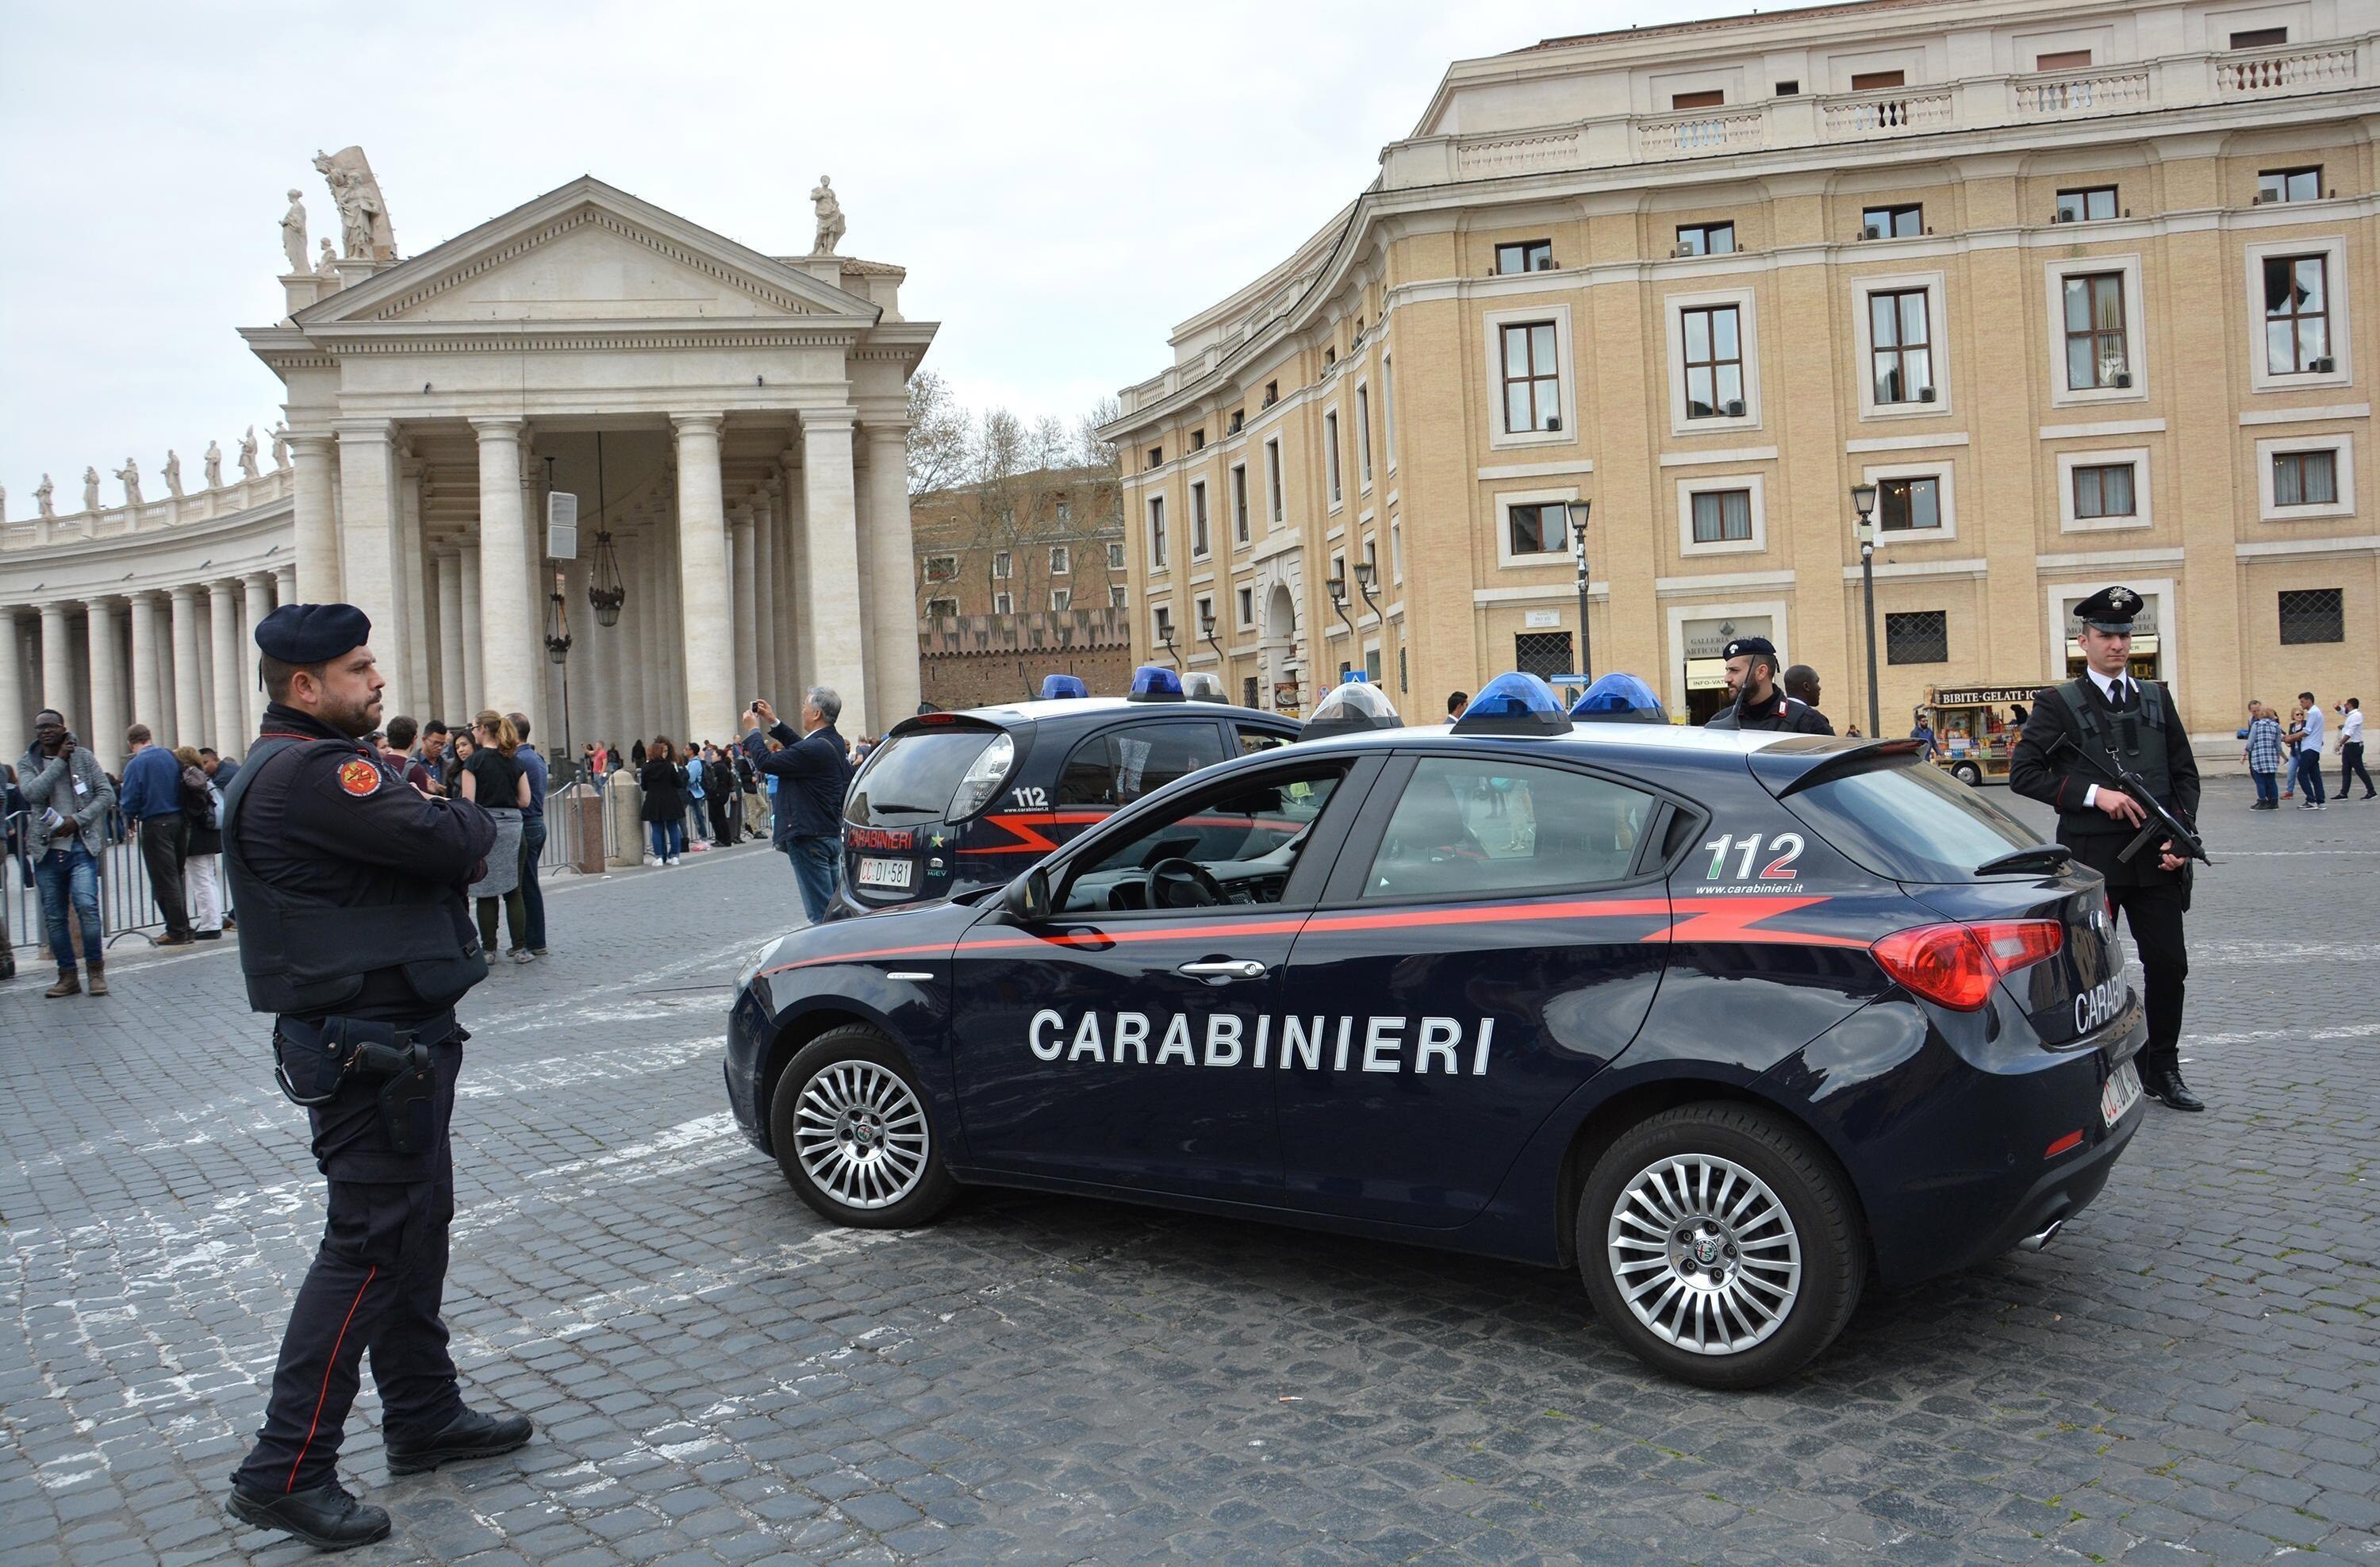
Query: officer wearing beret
{"points": [[1751, 674], [355, 936], [2109, 714]]}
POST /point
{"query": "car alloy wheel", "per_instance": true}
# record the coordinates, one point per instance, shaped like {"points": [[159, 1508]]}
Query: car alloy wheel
{"points": [[1705, 1254], [861, 1135]]}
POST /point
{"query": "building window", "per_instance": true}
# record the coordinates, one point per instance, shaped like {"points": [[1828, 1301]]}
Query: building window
{"points": [[1003, 604], [1061, 561], [1156, 533], [1061, 509], [1200, 546], [1529, 255], [1388, 411], [2096, 352], [1205, 609], [1722, 516], [1199, 439], [2306, 479], [1239, 421], [1713, 361], [1706, 99], [2092, 203], [1788, 89], [1062, 598], [2260, 37], [1118, 598], [1330, 357], [1240, 502], [1917, 637], [2063, 60], [2289, 184], [1542, 653], [1372, 666], [1893, 223], [1116, 555], [1537, 528], [1248, 604], [1247, 690], [1400, 668], [1531, 381], [1272, 393], [1331, 455], [1871, 81], [1155, 457], [942, 609], [1364, 435], [2313, 615], [1165, 623], [2297, 315], [1706, 240], [941, 568], [2103, 491], [1397, 547], [1902, 344], [1272, 481], [1909, 506], [1003, 564]]}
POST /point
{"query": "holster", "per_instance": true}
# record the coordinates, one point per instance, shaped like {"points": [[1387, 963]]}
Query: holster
{"points": [[313, 1060]]}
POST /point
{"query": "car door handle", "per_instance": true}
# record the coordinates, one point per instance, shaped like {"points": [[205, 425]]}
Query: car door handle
{"points": [[1224, 968]]}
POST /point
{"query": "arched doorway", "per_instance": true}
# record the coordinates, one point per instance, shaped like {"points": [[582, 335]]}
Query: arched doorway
{"points": [[1283, 689]]}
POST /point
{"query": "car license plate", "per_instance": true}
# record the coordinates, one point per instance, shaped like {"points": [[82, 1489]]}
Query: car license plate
{"points": [[896, 873], [2121, 1092]]}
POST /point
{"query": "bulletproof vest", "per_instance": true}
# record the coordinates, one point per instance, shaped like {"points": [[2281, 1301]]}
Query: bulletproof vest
{"points": [[307, 956], [2136, 739]]}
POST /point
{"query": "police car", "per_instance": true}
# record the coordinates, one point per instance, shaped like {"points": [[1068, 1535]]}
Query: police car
{"points": [[954, 802], [1734, 1024]]}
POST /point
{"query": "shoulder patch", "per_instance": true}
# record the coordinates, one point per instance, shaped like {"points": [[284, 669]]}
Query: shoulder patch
{"points": [[360, 777]]}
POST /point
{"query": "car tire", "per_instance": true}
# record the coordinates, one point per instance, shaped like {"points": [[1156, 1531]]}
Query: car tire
{"points": [[853, 1137], [1967, 772], [1737, 1296]]}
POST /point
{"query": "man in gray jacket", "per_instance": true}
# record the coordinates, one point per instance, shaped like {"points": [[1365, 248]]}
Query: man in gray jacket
{"points": [[68, 798]]}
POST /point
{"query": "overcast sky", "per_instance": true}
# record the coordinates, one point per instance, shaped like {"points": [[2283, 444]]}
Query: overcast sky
{"points": [[1063, 183]]}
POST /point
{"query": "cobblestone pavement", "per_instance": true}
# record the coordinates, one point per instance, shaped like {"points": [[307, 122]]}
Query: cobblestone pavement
{"points": [[2187, 1374]]}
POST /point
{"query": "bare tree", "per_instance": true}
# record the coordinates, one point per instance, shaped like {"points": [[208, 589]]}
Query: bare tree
{"points": [[1093, 452], [937, 436]]}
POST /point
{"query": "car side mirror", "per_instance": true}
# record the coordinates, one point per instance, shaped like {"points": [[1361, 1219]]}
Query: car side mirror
{"points": [[1027, 898]]}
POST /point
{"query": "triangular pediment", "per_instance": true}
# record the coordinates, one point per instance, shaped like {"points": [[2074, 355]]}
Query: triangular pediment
{"points": [[587, 252]]}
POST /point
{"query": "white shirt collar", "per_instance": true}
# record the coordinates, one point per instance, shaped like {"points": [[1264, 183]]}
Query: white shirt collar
{"points": [[2107, 684]]}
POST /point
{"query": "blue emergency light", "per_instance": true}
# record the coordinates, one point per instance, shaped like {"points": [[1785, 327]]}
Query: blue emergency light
{"points": [[1155, 683], [1619, 699], [1058, 687], [1515, 704]]}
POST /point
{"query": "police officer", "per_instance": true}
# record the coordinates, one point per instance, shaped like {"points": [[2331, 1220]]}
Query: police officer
{"points": [[355, 936], [2108, 714], [1752, 675]]}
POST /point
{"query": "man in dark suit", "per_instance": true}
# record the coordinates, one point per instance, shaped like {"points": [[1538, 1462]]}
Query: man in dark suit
{"points": [[813, 774], [2076, 734]]}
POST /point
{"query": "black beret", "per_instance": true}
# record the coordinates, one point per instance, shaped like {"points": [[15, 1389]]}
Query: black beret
{"points": [[2109, 608], [1744, 645], [311, 633]]}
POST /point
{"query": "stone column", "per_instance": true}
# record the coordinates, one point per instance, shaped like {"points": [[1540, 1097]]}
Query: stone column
{"points": [[189, 707], [645, 603], [801, 650], [895, 643], [149, 686], [747, 569], [312, 482], [108, 721], [284, 586], [16, 734], [475, 655], [369, 538], [766, 612], [450, 634], [410, 586], [831, 532], [223, 617], [508, 678], [57, 661], [702, 570], [255, 604]]}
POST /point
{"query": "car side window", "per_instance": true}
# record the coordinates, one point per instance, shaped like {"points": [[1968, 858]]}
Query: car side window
{"points": [[1118, 767], [1253, 739], [1238, 846], [1467, 826]]}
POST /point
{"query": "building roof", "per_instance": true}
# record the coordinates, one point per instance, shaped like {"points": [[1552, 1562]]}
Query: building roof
{"points": [[1716, 24]]}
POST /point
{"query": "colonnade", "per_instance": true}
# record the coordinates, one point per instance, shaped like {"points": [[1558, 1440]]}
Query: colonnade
{"points": [[178, 659]]}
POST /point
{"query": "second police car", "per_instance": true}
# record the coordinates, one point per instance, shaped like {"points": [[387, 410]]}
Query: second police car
{"points": [[1734, 1024]]}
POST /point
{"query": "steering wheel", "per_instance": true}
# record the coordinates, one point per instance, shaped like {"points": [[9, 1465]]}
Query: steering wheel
{"points": [[1181, 883]]}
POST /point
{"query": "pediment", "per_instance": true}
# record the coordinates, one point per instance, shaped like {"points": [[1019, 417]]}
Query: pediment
{"points": [[587, 252]]}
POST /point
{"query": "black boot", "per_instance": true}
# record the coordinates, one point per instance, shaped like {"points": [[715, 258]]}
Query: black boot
{"points": [[468, 1435], [2165, 1085], [325, 1517]]}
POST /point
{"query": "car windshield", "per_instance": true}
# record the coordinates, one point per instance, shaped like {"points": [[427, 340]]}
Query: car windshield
{"points": [[910, 778], [1909, 821]]}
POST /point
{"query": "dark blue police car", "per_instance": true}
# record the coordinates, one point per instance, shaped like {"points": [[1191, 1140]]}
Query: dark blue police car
{"points": [[1732, 1023], [953, 802]]}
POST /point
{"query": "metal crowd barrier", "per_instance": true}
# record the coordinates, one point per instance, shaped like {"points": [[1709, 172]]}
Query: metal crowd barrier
{"points": [[126, 907]]}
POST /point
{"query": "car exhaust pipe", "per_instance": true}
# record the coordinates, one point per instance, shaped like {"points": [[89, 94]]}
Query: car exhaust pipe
{"points": [[2041, 1241]]}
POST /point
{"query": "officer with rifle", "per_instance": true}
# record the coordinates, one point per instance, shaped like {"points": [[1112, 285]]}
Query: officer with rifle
{"points": [[354, 934], [2110, 754]]}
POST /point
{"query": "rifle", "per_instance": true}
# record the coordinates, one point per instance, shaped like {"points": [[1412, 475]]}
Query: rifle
{"points": [[2160, 825]]}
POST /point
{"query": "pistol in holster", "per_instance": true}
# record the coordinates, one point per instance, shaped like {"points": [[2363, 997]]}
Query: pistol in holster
{"points": [[313, 1060]]}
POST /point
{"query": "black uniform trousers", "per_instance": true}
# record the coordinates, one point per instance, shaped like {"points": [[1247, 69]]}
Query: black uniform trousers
{"points": [[2150, 902], [375, 1285]]}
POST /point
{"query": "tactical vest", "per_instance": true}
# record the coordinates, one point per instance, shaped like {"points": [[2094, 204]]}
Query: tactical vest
{"points": [[2137, 739], [306, 957]]}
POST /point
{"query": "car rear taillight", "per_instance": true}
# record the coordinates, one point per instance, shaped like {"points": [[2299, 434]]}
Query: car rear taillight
{"points": [[1956, 965]]}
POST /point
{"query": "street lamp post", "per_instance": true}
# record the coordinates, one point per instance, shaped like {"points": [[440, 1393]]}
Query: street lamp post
{"points": [[1864, 502], [557, 648], [1168, 645], [1578, 510], [1207, 630]]}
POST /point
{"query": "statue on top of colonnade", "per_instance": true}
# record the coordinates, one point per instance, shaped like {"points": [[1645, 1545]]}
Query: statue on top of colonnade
{"points": [[830, 217], [363, 215], [41, 498], [247, 453], [293, 233], [130, 474], [214, 465], [173, 472], [90, 489], [281, 446]]}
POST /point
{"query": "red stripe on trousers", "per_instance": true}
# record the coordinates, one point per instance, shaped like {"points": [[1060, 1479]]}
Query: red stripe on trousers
{"points": [[323, 1396]]}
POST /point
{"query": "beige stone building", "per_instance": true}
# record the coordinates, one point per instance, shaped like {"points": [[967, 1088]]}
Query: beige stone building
{"points": [[2085, 291]]}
